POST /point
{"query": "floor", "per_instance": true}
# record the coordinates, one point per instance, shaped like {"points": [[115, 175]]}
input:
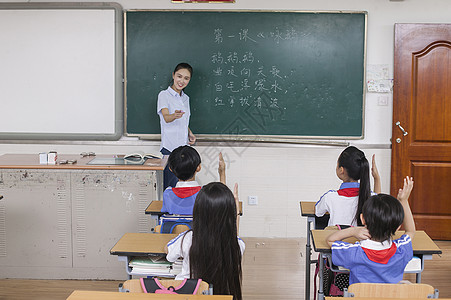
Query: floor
{"points": [[272, 269]]}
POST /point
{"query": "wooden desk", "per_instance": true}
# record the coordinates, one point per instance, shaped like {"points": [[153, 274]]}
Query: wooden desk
{"points": [[154, 208], [422, 245], [373, 298], [64, 217], [139, 244], [308, 210], [94, 295]]}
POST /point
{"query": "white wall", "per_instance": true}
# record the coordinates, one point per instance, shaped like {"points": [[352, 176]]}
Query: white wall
{"points": [[282, 175]]}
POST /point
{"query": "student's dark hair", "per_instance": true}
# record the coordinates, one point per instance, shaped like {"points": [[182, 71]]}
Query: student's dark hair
{"points": [[184, 66], [358, 168], [383, 215], [183, 162], [215, 254]]}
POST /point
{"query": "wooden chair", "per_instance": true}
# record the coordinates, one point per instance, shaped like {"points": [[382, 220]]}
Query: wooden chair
{"points": [[385, 290], [177, 229], [134, 286]]}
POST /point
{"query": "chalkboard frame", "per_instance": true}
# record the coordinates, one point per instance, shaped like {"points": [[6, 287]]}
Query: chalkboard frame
{"points": [[257, 138], [118, 72]]}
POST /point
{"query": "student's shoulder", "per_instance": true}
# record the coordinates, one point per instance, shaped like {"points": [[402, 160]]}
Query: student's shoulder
{"points": [[405, 239], [181, 237], [168, 192], [345, 246], [328, 194]]}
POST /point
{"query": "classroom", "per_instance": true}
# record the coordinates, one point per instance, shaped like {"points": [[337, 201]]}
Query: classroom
{"points": [[279, 172]]}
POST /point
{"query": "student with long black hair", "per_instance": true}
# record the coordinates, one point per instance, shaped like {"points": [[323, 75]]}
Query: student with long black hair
{"points": [[345, 205], [212, 250]]}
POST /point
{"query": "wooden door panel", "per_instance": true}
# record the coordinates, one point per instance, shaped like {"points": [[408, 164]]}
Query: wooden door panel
{"points": [[430, 97], [435, 226], [431, 180], [422, 105], [437, 152]]}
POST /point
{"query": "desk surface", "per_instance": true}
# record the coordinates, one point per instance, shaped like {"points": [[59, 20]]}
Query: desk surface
{"points": [[141, 244], [307, 208], [155, 206], [96, 295], [373, 298], [31, 161], [421, 243]]}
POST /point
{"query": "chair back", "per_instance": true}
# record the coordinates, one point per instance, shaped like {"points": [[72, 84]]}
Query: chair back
{"points": [[385, 290], [134, 286], [177, 229]]}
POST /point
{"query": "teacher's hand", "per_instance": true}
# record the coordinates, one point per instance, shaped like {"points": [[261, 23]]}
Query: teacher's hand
{"points": [[178, 114], [191, 138]]}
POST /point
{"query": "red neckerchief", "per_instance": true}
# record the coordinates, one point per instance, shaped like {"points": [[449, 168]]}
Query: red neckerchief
{"points": [[185, 192], [380, 256], [349, 192]]}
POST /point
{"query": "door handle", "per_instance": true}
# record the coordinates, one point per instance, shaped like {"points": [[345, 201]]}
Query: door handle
{"points": [[402, 129]]}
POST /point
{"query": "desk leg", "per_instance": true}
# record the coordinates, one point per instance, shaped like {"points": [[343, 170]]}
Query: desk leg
{"points": [[308, 261], [418, 277], [126, 259], [320, 278], [159, 175]]}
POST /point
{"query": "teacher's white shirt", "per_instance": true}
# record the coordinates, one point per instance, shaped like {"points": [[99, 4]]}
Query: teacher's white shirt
{"points": [[175, 133]]}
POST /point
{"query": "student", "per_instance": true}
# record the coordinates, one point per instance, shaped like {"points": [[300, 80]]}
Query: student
{"points": [[345, 205], [212, 250], [185, 163], [174, 111], [377, 258]]}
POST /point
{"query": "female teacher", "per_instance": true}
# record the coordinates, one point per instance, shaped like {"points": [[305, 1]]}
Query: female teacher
{"points": [[173, 109]]}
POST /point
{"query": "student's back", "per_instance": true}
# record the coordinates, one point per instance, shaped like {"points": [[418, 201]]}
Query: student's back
{"points": [[345, 205], [377, 258], [184, 162], [212, 250]]}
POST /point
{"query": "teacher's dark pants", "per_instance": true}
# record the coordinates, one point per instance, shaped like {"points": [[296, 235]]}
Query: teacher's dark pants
{"points": [[169, 178]]}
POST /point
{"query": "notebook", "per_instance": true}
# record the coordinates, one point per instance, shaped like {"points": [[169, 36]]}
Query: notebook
{"points": [[115, 161]]}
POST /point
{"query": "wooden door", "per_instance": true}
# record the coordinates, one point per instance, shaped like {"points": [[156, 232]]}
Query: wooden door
{"points": [[422, 106]]}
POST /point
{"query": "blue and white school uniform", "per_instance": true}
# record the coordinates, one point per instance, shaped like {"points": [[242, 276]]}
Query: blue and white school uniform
{"points": [[374, 262], [341, 204], [179, 200], [175, 133], [177, 250]]}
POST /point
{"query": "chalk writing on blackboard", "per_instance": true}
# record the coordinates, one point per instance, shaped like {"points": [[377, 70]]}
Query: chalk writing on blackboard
{"points": [[245, 80], [244, 35]]}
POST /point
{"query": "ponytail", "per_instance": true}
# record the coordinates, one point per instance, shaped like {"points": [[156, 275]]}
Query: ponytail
{"points": [[357, 167], [364, 190]]}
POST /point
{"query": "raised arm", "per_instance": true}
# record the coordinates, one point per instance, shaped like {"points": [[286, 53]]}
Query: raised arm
{"points": [[235, 194], [171, 117], [221, 169], [360, 233], [375, 174], [403, 197]]}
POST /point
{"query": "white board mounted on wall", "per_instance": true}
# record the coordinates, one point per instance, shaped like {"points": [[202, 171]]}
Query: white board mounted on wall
{"points": [[61, 71]]}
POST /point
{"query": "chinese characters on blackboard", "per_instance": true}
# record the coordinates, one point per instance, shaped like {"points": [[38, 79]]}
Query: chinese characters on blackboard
{"points": [[241, 79]]}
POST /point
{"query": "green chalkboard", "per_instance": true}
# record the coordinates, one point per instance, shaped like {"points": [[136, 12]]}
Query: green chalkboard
{"points": [[256, 74]]}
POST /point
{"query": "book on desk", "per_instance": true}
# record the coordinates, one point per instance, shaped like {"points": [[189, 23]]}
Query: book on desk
{"points": [[140, 155], [154, 265]]}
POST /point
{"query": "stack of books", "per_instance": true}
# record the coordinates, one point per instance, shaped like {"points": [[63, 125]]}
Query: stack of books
{"points": [[155, 265]]}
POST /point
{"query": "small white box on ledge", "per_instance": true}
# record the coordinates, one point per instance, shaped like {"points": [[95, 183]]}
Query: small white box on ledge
{"points": [[43, 158], [51, 158]]}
